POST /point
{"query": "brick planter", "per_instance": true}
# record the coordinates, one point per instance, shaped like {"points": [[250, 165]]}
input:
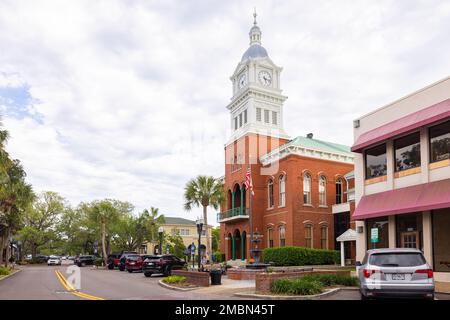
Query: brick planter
{"points": [[243, 274], [200, 279], [263, 281]]}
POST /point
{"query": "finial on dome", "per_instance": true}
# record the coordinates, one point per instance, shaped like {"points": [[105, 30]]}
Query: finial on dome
{"points": [[255, 32]]}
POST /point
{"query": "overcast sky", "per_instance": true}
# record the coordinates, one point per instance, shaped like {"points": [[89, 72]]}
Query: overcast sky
{"points": [[126, 99]]}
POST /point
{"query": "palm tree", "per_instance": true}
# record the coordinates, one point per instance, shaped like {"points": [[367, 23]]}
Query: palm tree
{"points": [[204, 191]]}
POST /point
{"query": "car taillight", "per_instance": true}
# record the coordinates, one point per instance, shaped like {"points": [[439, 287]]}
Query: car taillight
{"points": [[428, 272], [368, 272]]}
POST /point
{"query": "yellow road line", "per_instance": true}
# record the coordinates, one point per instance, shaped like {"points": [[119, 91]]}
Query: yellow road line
{"points": [[72, 290]]}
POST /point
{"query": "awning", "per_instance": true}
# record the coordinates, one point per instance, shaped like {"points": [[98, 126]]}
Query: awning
{"points": [[422, 197], [405, 124], [349, 235]]}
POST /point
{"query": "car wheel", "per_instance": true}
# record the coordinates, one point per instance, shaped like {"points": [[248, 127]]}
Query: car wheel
{"points": [[167, 271], [148, 274], [110, 266], [130, 271], [363, 297]]}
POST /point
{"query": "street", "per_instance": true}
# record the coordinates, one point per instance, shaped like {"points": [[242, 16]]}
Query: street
{"points": [[40, 282]]}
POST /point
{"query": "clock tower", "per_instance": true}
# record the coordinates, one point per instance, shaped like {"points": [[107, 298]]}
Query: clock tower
{"points": [[256, 106]]}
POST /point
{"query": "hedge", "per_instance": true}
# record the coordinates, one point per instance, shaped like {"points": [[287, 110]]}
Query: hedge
{"points": [[300, 256], [219, 257], [4, 271]]}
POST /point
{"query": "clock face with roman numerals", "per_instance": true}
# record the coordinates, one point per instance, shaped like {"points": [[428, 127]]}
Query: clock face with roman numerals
{"points": [[265, 78]]}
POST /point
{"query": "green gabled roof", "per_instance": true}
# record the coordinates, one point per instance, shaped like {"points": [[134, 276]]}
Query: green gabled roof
{"points": [[320, 145], [176, 220]]}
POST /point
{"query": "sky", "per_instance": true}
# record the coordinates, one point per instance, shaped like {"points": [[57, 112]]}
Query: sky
{"points": [[127, 99]]}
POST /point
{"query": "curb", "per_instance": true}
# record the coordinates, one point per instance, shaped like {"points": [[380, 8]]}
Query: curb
{"points": [[165, 285], [279, 297], [10, 275]]}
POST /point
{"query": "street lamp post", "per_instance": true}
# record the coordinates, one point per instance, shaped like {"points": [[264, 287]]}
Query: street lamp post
{"points": [[161, 232], [199, 230]]}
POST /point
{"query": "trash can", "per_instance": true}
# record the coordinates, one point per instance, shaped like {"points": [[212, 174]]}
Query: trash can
{"points": [[216, 277]]}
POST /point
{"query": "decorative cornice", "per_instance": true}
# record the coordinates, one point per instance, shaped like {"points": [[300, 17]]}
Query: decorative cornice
{"points": [[258, 93], [287, 150]]}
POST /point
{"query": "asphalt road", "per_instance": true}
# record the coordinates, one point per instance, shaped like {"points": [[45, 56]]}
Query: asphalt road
{"points": [[41, 282]]}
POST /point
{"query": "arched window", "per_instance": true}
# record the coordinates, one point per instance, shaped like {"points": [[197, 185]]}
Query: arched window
{"points": [[282, 191], [282, 233], [270, 237], [307, 189], [270, 195], [324, 237], [322, 191], [339, 194], [308, 236]]}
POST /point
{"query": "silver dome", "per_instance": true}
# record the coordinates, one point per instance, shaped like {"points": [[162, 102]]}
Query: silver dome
{"points": [[254, 51]]}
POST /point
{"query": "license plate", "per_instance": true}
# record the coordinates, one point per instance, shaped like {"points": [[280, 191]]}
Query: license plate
{"points": [[398, 276]]}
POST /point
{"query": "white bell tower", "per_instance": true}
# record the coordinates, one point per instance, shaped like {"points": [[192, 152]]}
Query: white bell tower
{"points": [[257, 103]]}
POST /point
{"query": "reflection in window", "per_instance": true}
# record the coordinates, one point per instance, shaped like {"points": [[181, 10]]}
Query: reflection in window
{"points": [[282, 232], [270, 190], [440, 142], [270, 237], [407, 152], [324, 237], [307, 189], [308, 236], [282, 191], [376, 162], [339, 191], [322, 191]]}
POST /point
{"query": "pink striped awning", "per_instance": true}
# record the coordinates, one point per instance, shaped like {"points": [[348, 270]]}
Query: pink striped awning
{"points": [[422, 197], [405, 124]]}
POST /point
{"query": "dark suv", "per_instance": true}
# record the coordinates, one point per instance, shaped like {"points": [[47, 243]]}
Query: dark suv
{"points": [[123, 259], [114, 260], [82, 261], [162, 264]]}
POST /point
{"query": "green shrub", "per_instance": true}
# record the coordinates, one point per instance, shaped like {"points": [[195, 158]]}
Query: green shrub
{"points": [[333, 280], [220, 256], [4, 271], [300, 256], [296, 286], [98, 262], [174, 279]]}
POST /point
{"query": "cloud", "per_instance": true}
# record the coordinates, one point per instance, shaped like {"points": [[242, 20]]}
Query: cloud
{"points": [[126, 99]]}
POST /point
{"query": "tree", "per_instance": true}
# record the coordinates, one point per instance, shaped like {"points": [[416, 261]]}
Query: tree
{"points": [[15, 196], [41, 220], [215, 239], [176, 244], [204, 191]]}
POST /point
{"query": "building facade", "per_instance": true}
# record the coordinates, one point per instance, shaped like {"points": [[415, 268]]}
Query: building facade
{"points": [[402, 176], [295, 181], [187, 229]]}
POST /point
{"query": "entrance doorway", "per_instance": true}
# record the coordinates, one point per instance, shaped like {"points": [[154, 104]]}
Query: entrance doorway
{"points": [[410, 239]]}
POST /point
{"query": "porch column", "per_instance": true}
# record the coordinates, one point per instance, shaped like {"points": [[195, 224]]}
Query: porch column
{"points": [[233, 251], [427, 237], [242, 200], [342, 254], [232, 200], [392, 233]]}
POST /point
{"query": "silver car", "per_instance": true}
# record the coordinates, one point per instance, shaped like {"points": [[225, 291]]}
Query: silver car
{"points": [[398, 273]]}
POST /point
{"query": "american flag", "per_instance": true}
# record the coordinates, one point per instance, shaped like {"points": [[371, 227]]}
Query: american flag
{"points": [[248, 181]]}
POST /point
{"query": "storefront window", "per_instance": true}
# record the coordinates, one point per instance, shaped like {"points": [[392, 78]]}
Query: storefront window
{"points": [[376, 162], [382, 224], [407, 152], [409, 231], [440, 142], [441, 240]]}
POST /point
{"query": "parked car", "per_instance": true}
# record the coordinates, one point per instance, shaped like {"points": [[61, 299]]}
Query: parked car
{"points": [[82, 261], [162, 264], [39, 258], [54, 261], [395, 273], [114, 260], [123, 259], [71, 258]]}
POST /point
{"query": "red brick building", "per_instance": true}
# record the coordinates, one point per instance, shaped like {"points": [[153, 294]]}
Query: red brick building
{"points": [[295, 181]]}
